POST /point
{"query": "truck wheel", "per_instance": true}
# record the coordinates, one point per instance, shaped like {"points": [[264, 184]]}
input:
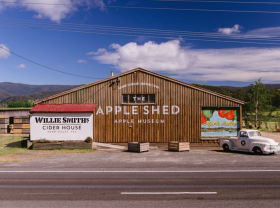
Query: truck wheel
{"points": [[257, 151], [226, 148]]}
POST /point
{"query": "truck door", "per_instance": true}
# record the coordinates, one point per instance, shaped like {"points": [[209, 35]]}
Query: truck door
{"points": [[243, 140]]}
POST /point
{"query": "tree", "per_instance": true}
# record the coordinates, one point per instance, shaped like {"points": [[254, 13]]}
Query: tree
{"points": [[20, 104], [275, 98], [258, 101]]}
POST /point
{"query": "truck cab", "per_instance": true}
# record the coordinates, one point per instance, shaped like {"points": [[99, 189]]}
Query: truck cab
{"points": [[250, 141]]}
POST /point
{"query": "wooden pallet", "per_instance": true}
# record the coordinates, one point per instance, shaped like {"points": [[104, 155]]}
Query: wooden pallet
{"points": [[21, 120], [19, 131], [4, 120], [3, 126], [178, 146], [3, 131], [21, 126], [138, 147]]}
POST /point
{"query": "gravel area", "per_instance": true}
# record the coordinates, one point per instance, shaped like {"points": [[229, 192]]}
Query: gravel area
{"points": [[272, 135]]}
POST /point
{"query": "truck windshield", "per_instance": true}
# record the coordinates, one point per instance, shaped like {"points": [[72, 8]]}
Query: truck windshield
{"points": [[254, 133]]}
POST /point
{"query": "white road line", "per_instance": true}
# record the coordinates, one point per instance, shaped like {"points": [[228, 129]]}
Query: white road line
{"points": [[168, 193], [47, 193], [136, 171]]}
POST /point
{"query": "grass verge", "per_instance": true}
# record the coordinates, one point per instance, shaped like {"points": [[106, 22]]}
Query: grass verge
{"points": [[7, 151], [11, 145]]}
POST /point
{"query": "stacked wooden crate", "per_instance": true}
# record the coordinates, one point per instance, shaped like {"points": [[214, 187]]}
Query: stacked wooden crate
{"points": [[21, 125], [178, 146], [138, 146], [4, 122]]}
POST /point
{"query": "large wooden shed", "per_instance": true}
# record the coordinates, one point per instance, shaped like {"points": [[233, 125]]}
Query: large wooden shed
{"points": [[140, 105]]}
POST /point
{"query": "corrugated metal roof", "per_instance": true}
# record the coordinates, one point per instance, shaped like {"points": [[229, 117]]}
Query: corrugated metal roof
{"points": [[63, 108]]}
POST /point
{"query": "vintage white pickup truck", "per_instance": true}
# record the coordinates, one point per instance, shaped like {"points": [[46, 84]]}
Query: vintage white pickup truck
{"points": [[250, 141]]}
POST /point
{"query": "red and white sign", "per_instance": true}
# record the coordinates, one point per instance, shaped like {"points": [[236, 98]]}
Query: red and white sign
{"points": [[61, 122]]}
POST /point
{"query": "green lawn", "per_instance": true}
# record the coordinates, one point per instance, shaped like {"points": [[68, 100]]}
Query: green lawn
{"points": [[266, 125], [11, 144], [275, 113], [271, 124]]}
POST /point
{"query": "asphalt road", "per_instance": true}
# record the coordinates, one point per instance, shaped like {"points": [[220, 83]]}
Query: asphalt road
{"points": [[140, 189], [158, 178]]}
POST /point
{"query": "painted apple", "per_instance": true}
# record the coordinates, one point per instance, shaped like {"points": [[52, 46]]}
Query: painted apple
{"points": [[222, 113], [227, 114], [230, 115], [203, 119]]}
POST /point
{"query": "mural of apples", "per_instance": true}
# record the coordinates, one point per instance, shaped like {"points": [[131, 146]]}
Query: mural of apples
{"points": [[219, 122], [228, 114], [208, 113], [203, 119]]}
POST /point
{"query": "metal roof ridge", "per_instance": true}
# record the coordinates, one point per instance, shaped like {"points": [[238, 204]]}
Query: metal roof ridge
{"points": [[145, 71]]}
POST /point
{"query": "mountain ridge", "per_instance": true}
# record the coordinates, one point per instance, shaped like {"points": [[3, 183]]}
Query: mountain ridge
{"points": [[10, 91]]}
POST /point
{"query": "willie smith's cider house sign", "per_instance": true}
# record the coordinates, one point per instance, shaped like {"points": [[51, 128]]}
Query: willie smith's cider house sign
{"points": [[61, 124]]}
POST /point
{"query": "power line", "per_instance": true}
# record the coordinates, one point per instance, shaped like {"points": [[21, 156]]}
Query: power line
{"points": [[226, 2], [154, 8], [195, 9], [45, 66], [164, 37], [198, 1], [35, 3], [158, 31], [155, 33]]}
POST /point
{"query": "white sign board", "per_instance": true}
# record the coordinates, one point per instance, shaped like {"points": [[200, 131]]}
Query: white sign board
{"points": [[61, 126]]}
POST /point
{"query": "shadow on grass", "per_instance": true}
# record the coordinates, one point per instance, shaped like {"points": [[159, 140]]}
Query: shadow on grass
{"points": [[18, 144]]}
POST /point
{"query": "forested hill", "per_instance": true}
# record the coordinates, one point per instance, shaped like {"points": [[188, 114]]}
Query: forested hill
{"points": [[242, 92], [17, 91], [22, 92]]}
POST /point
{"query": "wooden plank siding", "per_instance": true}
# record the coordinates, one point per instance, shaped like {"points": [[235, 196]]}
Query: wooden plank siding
{"points": [[184, 126]]}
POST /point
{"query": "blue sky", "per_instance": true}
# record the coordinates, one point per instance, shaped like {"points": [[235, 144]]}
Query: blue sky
{"points": [[194, 41]]}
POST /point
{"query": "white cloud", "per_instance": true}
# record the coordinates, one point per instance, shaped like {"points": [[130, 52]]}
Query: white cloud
{"points": [[55, 10], [4, 51], [230, 30], [81, 61], [265, 32], [50, 10], [234, 64], [22, 66]]}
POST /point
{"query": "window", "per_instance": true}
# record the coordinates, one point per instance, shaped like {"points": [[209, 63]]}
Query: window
{"points": [[254, 133], [139, 98], [243, 134]]}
